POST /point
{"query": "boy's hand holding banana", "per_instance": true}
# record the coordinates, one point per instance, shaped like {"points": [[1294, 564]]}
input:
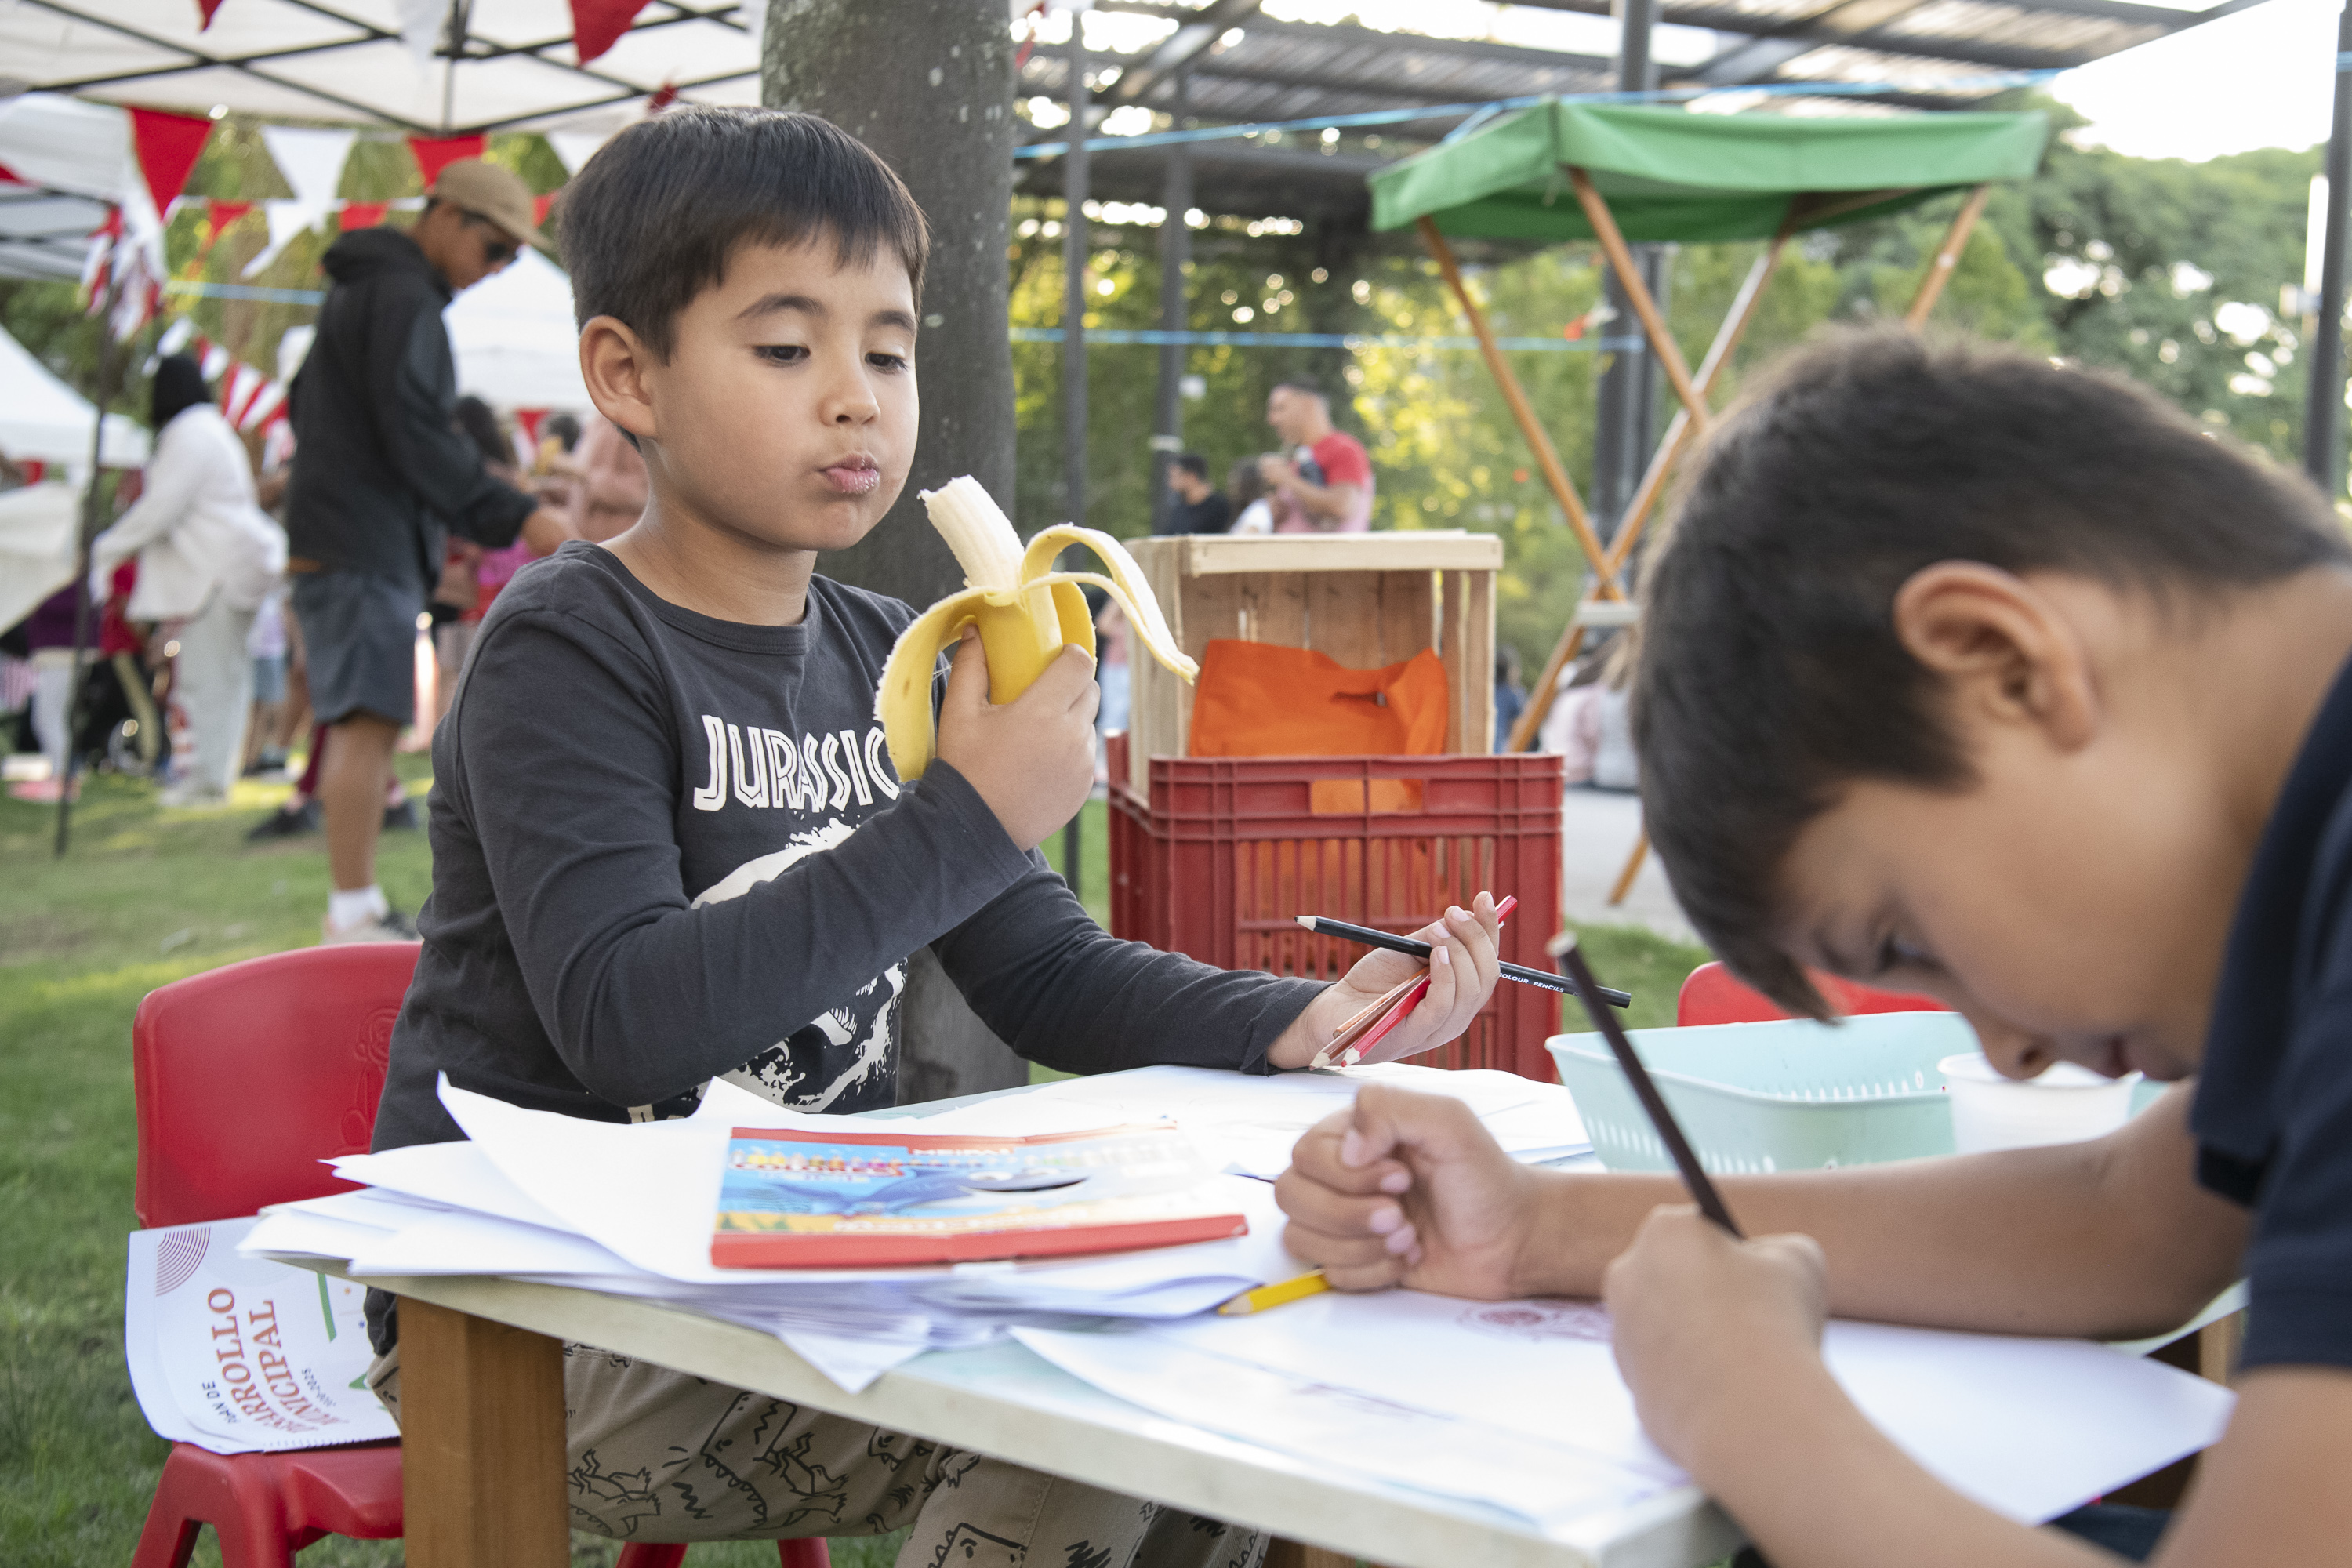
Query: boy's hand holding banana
{"points": [[1027, 744]]}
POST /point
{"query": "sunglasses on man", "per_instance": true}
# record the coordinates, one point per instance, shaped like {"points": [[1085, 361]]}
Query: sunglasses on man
{"points": [[497, 250]]}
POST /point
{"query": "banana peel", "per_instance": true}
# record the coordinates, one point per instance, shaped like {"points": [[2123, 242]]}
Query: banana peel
{"points": [[1026, 611]]}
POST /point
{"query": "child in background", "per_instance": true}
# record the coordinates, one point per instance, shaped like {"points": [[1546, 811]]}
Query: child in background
{"points": [[669, 845], [1965, 674]]}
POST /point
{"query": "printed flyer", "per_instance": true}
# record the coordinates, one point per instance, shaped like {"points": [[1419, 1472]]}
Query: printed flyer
{"points": [[804, 1198], [242, 1356]]}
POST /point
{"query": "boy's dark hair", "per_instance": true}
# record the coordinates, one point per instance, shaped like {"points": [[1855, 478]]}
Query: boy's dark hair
{"points": [[1298, 385], [653, 219], [479, 426], [565, 428], [1195, 464], [1769, 671]]}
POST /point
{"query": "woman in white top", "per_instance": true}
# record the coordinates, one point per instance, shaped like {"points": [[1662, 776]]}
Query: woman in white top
{"points": [[208, 556]]}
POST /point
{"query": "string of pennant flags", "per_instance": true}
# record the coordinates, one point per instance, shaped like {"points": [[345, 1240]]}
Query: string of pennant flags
{"points": [[126, 269]]}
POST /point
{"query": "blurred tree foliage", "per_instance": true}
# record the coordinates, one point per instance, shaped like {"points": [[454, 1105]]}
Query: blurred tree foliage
{"points": [[2168, 271]]}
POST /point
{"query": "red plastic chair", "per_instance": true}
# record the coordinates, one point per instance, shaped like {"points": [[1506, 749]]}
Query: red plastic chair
{"points": [[295, 1043], [291, 1050], [1712, 997]]}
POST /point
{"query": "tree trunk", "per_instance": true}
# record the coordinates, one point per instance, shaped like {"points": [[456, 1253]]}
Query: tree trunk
{"points": [[929, 85]]}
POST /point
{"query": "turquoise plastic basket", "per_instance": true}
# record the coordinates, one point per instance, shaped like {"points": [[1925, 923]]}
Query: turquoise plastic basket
{"points": [[1793, 1095]]}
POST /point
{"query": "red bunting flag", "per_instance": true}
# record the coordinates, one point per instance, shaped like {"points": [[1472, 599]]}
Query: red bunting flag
{"points": [[168, 146], [433, 153], [539, 207], [529, 418], [221, 219], [362, 214], [205, 9], [597, 24]]}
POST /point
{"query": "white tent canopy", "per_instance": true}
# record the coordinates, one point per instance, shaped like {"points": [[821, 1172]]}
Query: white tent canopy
{"points": [[515, 341], [72, 161], [346, 62], [43, 419], [37, 545]]}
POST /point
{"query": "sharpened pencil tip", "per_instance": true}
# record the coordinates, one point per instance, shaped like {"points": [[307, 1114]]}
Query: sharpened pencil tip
{"points": [[1307, 921]]}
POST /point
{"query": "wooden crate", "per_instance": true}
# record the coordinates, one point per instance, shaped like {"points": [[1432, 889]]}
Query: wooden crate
{"points": [[1364, 599]]}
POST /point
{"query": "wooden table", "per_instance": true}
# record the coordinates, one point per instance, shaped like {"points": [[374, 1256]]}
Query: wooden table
{"points": [[482, 1437]]}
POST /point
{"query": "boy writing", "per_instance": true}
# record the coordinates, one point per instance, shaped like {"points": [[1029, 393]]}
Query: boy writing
{"points": [[669, 845], [1968, 675]]}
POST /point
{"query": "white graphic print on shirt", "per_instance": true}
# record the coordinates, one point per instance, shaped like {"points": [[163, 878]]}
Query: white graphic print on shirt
{"points": [[761, 768], [757, 767]]}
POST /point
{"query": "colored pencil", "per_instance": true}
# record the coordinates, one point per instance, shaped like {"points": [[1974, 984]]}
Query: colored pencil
{"points": [[1565, 951], [1413, 948], [1266, 1296]]}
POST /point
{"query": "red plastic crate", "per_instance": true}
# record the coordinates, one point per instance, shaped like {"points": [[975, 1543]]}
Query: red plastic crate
{"points": [[1228, 851]]}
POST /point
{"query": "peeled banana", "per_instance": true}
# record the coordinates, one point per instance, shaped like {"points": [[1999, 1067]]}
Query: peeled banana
{"points": [[1025, 612]]}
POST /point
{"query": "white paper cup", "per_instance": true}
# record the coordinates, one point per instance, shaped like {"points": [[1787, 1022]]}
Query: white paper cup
{"points": [[2068, 1104]]}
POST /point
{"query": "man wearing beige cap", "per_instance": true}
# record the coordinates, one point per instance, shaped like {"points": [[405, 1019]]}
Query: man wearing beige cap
{"points": [[381, 476]]}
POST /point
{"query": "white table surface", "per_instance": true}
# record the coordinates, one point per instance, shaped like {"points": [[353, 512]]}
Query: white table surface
{"points": [[1005, 1401]]}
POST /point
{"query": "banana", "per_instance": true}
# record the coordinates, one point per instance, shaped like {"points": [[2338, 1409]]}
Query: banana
{"points": [[1026, 612]]}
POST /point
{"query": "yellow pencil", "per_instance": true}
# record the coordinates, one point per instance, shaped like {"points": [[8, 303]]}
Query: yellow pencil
{"points": [[1266, 1296]]}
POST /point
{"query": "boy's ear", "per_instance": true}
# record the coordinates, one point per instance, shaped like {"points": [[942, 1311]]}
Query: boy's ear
{"points": [[614, 361], [2005, 651]]}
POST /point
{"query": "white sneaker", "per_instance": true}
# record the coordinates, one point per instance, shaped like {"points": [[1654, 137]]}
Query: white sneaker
{"points": [[190, 796], [389, 926]]}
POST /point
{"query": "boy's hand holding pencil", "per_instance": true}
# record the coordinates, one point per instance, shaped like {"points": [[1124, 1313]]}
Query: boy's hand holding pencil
{"points": [[1409, 1189], [1464, 962]]}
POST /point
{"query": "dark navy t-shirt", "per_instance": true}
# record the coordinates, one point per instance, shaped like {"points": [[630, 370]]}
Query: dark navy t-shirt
{"points": [[2272, 1115]]}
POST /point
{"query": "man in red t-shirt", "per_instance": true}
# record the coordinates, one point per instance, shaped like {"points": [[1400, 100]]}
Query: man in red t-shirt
{"points": [[1328, 478]]}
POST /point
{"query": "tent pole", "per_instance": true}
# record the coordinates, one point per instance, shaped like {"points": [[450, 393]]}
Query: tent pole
{"points": [[1629, 530], [1175, 249], [111, 358], [1653, 326], [2322, 422], [1718, 353], [1633, 869], [1948, 256], [1563, 490]]}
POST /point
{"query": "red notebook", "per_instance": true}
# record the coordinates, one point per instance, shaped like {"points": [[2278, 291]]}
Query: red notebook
{"points": [[823, 1199]]}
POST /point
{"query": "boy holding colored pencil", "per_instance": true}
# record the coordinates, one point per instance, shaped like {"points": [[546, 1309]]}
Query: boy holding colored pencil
{"points": [[668, 844], [1970, 675]]}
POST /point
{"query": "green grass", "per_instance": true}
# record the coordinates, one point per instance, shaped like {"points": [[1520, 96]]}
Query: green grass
{"points": [[144, 898]]}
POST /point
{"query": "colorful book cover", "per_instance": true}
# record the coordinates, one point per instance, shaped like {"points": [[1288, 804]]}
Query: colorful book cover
{"points": [[823, 1199]]}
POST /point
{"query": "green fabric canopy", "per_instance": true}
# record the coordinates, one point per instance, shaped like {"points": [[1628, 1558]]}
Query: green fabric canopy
{"points": [[1669, 175]]}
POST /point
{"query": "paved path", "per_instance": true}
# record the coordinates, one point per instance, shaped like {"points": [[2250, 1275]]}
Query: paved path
{"points": [[1598, 830]]}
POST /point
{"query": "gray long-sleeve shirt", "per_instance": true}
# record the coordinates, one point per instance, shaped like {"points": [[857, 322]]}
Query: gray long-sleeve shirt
{"points": [[668, 849]]}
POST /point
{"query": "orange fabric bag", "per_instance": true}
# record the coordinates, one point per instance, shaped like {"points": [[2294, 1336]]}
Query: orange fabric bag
{"points": [[1259, 700]]}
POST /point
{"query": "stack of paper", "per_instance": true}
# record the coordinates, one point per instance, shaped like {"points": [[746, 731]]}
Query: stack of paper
{"points": [[1519, 1404], [629, 1209]]}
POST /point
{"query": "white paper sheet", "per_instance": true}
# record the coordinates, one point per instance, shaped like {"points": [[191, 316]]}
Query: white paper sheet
{"points": [[455, 1174], [240, 1355], [1251, 1123], [1550, 1484], [2033, 1428]]}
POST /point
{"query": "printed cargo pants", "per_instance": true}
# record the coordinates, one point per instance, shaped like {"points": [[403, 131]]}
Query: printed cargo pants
{"points": [[660, 1456]]}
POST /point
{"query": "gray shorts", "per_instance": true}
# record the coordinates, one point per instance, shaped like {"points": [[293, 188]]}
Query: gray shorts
{"points": [[269, 677], [359, 633]]}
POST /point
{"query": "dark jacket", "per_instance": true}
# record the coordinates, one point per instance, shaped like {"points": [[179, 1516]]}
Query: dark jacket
{"points": [[380, 473]]}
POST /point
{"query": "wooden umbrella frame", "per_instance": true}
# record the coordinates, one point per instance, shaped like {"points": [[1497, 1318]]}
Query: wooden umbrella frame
{"points": [[1693, 418]]}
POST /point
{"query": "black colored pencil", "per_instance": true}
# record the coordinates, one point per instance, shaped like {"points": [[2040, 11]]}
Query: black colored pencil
{"points": [[1571, 963], [1413, 948]]}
